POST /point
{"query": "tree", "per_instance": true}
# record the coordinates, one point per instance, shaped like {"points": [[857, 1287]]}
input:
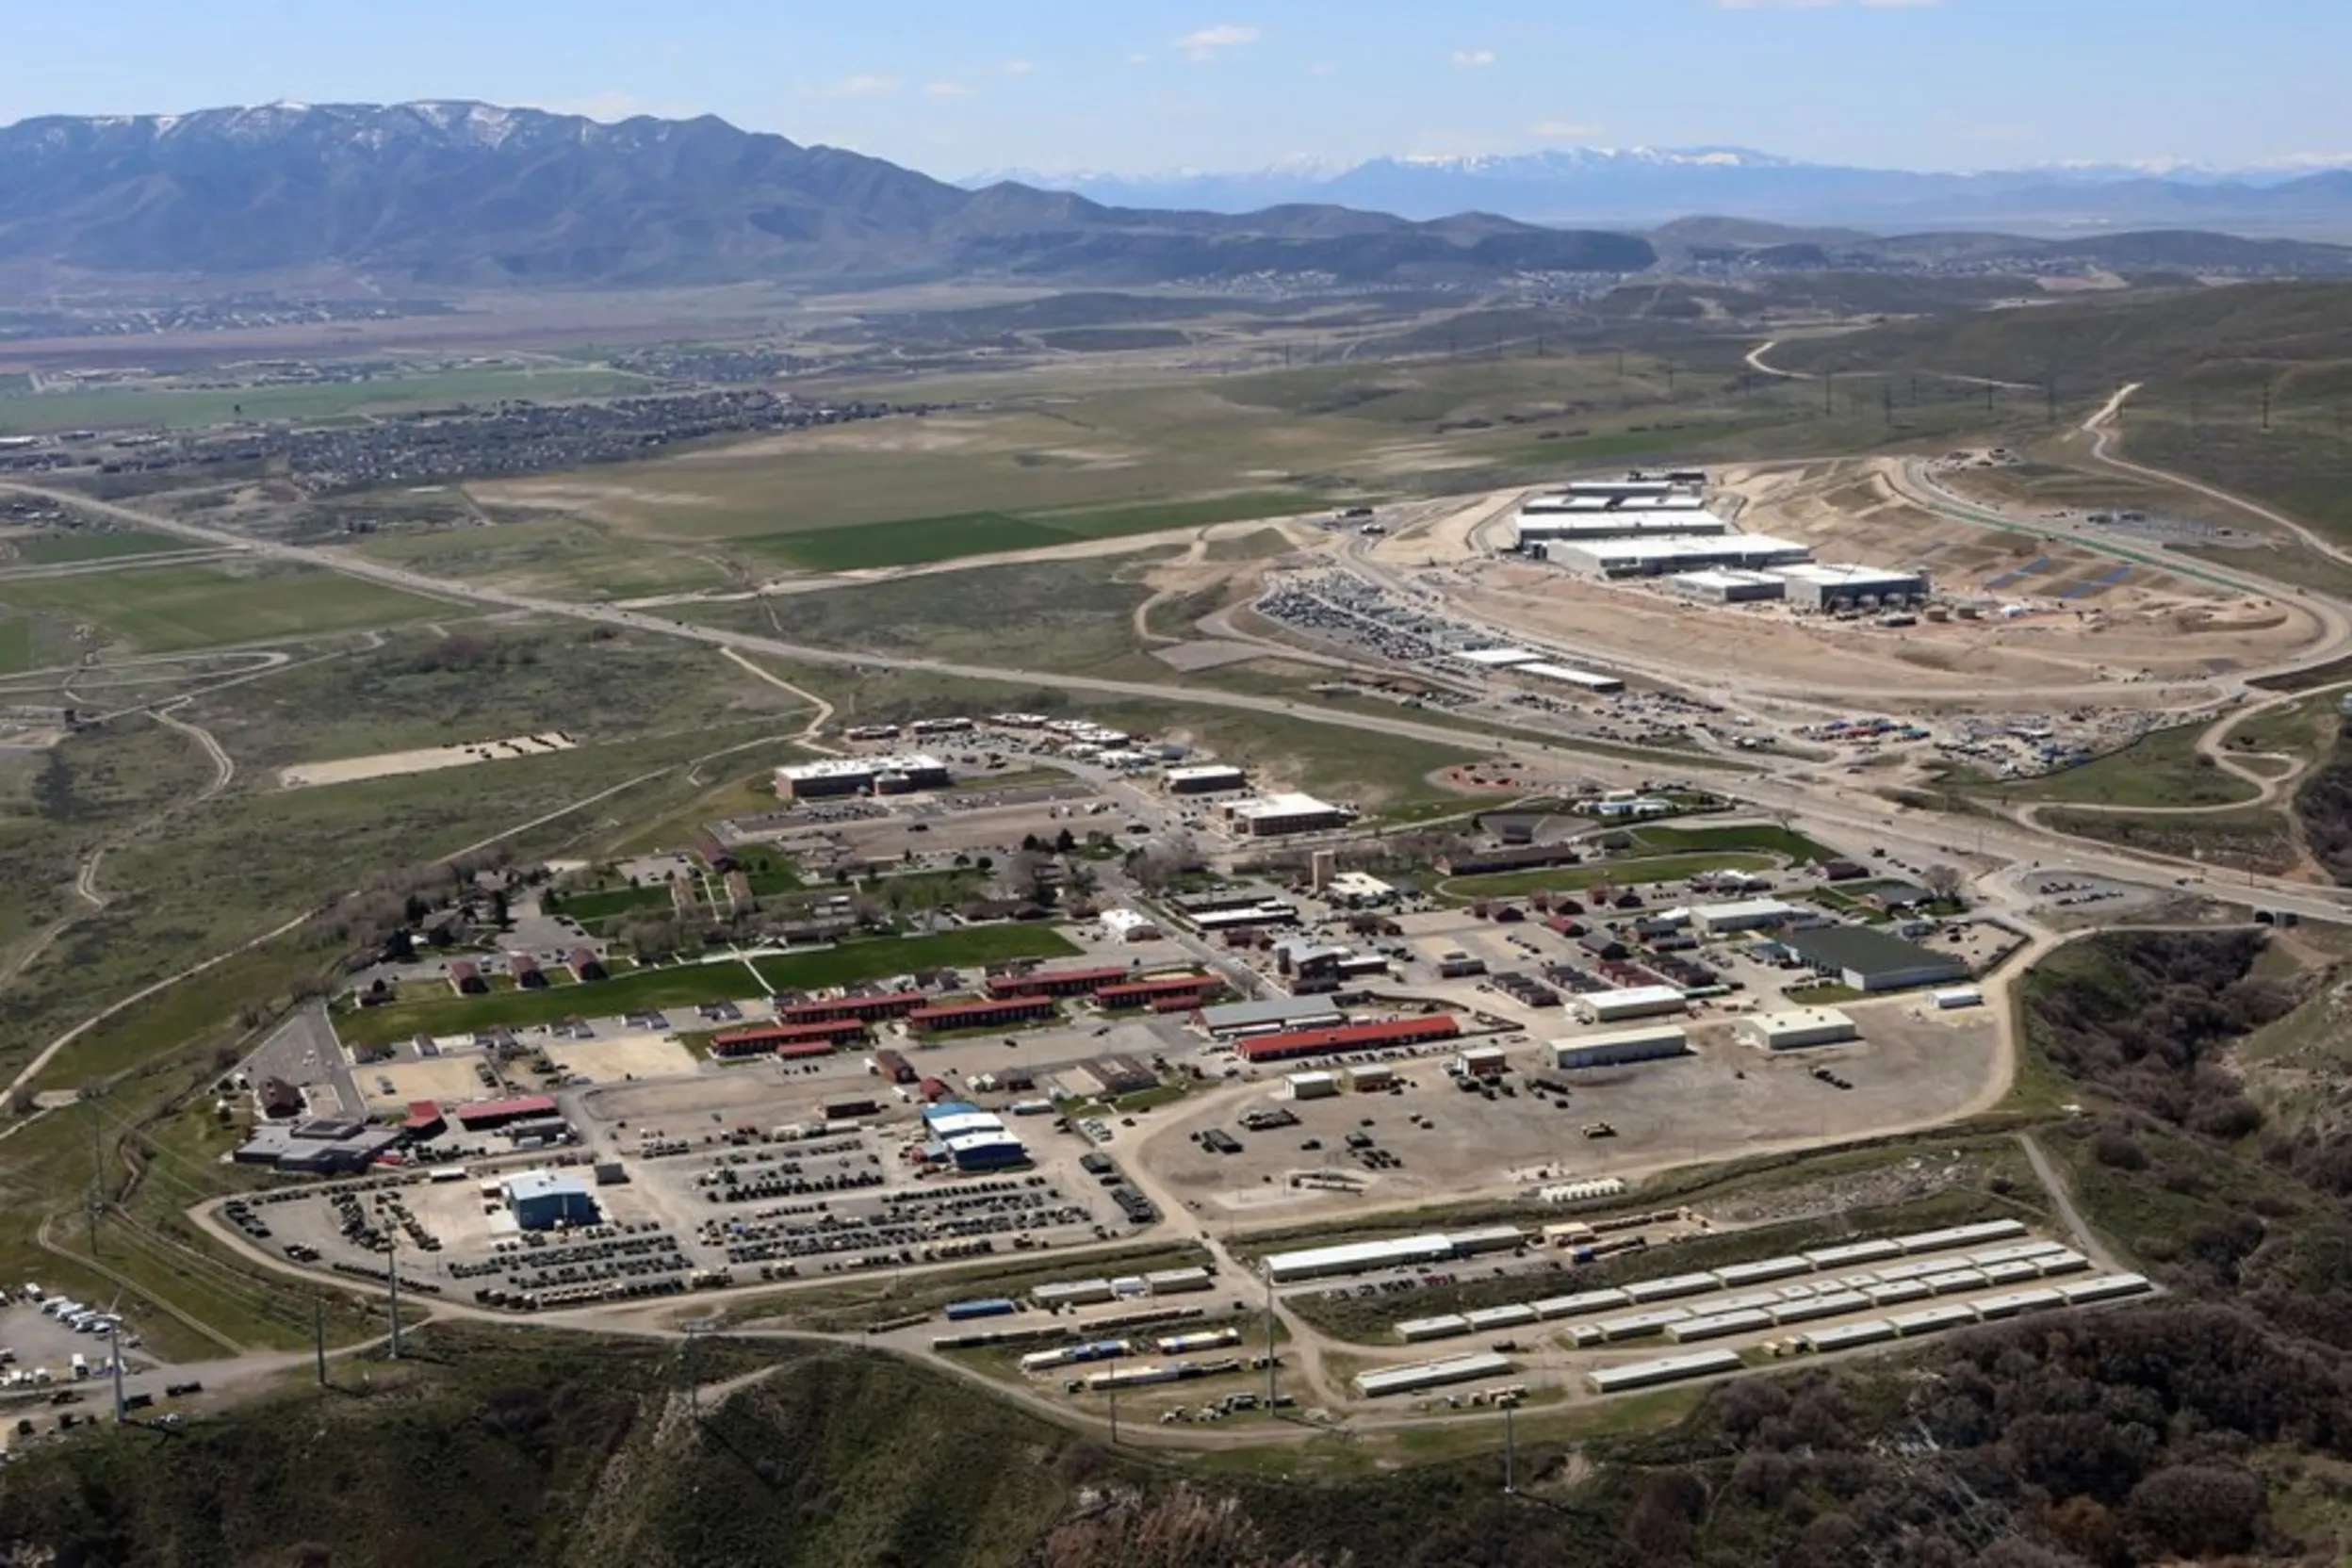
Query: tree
{"points": [[1943, 881]]}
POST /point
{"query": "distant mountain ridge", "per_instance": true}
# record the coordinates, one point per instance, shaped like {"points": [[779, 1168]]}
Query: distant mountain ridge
{"points": [[1641, 185], [460, 193]]}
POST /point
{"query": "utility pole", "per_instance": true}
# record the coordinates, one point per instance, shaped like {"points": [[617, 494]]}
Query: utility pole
{"points": [[392, 1256], [114, 1352], [1269, 1342], [1887, 398], [1829, 380], [1114, 1393], [319, 1336], [2050, 395], [2265, 407], [1511, 1449], [1988, 396], [97, 1175]]}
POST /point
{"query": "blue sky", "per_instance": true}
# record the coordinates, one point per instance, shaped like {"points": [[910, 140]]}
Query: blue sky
{"points": [[1142, 84]]}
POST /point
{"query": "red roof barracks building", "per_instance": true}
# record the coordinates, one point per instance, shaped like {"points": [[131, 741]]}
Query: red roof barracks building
{"points": [[1349, 1037], [815, 1038], [1055, 982], [991, 1014], [871, 1005]]}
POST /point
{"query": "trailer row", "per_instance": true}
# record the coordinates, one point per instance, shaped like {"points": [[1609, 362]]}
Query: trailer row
{"points": [[1085, 1293], [1709, 1294], [1879, 1330]]}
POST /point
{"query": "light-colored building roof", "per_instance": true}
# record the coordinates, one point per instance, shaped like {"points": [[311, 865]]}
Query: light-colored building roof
{"points": [[1200, 773], [1497, 658], [526, 1185], [1288, 804], [1844, 576], [861, 767], [1690, 547]]}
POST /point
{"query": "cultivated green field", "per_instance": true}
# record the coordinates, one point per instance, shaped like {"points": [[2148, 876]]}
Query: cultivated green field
{"points": [[16, 645], [561, 557], [80, 544], [193, 408], [166, 609]]}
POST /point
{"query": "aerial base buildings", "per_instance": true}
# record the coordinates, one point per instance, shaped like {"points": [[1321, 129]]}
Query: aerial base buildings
{"points": [[858, 776]]}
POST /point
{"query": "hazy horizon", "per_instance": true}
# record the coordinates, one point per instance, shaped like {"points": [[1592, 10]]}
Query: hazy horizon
{"points": [[1062, 88]]}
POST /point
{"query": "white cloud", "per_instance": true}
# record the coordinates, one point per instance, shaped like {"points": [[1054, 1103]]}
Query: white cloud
{"points": [[1323, 68], [948, 89], [1561, 130], [864, 85], [1471, 59], [1208, 43], [1016, 67]]}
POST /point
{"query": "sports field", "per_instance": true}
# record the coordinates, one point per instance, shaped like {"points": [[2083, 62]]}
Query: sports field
{"points": [[166, 609]]}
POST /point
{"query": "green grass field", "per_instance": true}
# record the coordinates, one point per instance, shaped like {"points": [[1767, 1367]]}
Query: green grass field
{"points": [[167, 609], [16, 645], [1614, 873], [685, 985], [2160, 769], [914, 541], [1758, 837], [67, 548], [117, 407]]}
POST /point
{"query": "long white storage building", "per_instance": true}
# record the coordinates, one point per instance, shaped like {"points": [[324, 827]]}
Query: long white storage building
{"points": [[1666, 1369], [1362, 1257], [1796, 1027], [1430, 1374], [1618, 1047], [1630, 1002]]}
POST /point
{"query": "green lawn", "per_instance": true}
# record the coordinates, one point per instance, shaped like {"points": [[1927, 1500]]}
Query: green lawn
{"points": [[916, 540], [172, 608], [855, 962], [60, 549], [445, 1014], [2163, 768], [1614, 874], [16, 645], [1760, 839], [171, 409], [613, 901]]}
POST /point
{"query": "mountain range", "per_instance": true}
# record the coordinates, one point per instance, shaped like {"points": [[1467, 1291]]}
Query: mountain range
{"points": [[470, 194], [1642, 186]]}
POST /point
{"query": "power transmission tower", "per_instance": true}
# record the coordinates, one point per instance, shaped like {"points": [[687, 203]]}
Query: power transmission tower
{"points": [[319, 1336]]}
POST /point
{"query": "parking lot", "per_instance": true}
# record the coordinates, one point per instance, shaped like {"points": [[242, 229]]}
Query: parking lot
{"points": [[1438, 1142]]}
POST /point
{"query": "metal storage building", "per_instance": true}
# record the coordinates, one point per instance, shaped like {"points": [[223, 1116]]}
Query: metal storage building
{"points": [[1639, 1325], [1590, 681], [1729, 585], [1796, 1028], [1414, 1330], [541, 1200], [2106, 1287], [1630, 1003], [1762, 1271], [1671, 1286], [1431, 1374], [1625, 558], [1619, 1047], [1847, 1336], [1497, 659], [1868, 961], [1313, 1085], [1957, 997], [1749, 914], [1666, 1369], [1815, 585], [1831, 1305], [1718, 1326], [1929, 1320]]}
